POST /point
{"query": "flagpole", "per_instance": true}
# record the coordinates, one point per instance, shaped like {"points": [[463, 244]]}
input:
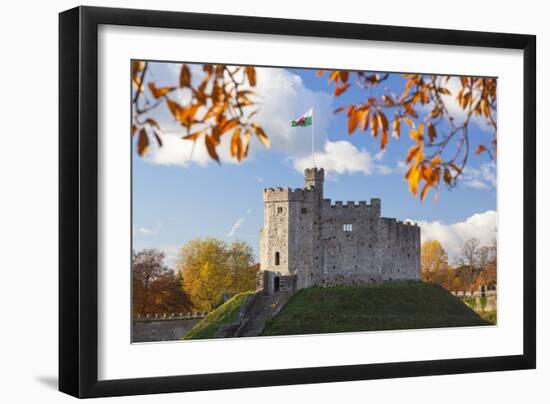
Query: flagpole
{"points": [[312, 138]]}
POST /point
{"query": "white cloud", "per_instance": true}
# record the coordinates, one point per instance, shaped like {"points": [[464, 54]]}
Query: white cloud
{"points": [[482, 226], [238, 224], [178, 151], [342, 157], [282, 96], [454, 108], [483, 177], [144, 231]]}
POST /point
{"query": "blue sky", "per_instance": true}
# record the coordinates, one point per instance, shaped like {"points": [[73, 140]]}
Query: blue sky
{"points": [[180, 194]]}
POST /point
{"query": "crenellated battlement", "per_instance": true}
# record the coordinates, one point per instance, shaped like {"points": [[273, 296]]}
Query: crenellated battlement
{"points": [[322, 242], [280, 194], [359, 207]]}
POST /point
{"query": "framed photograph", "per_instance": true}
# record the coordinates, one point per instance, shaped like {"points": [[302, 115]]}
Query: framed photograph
{"points": [[251, 201]]}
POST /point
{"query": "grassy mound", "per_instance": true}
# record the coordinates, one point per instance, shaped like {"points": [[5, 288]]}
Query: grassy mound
{"points": [[382, 306], [224, 314]]}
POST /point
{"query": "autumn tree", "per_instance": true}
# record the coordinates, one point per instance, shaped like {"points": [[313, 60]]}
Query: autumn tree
{"points": [[469, 256], [211, 268], [487, 262], [433, 262], [223, 103], [155, 287]]}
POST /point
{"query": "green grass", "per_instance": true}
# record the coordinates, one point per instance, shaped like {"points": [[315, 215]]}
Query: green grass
{"points": [[224, 314], [490, 316], [382, 306]]}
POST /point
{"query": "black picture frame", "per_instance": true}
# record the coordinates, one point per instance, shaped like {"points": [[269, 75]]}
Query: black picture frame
{"points": [[78, 201]]}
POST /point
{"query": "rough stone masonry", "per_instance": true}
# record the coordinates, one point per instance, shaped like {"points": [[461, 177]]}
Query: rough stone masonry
{"points": [[308, 241]]}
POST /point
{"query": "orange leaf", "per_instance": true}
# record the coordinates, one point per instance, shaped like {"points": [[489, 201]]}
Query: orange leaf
{"points": [[431, 132], [251, 75], [211, 147], [174, 108], [261, 135], [480, 149], [424, 191], [374, 124], [193, 136], [236, 144], [353, 120], [414, 179], [159, 91], [143, 142], [396, 127], [437, 160], [413, 152], [447, 177], [228, 125], [185, 76], [246, 143], [344, 75], [384, 139], [383, 121], [364, 119], [341, 89]]}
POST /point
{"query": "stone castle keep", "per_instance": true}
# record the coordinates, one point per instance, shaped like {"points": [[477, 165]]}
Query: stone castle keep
{"points": [[307, 241]]}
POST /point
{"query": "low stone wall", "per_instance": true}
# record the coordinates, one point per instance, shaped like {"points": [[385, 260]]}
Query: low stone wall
{"points": [[162, 330]]}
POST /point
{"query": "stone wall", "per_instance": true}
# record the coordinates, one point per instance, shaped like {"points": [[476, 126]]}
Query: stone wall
{"points": [[324, 243], [167, 330]]}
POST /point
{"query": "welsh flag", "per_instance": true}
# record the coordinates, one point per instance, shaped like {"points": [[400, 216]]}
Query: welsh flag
{"points": [[304, 120]]}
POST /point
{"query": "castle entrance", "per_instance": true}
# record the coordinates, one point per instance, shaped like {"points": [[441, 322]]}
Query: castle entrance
{"points": [[276, 284]]}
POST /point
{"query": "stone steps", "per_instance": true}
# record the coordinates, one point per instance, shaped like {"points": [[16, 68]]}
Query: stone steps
{"points": [[261, 310]]}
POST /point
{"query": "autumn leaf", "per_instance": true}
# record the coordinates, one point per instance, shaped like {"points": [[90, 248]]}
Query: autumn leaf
{"points": [[236, 147], [384, 139], [261, 135], [251, 75], [396, 127], [344, 75], [143, 142], [424, 191], [412, 153], [480, 149], [185, 76], [437, 160], [374, 122], [413, 176], [353, 120], [447, 176], [341, 89], [193, 136], [246, 143], [175, 108], [159, 91], [211, 147], [431, 132]]}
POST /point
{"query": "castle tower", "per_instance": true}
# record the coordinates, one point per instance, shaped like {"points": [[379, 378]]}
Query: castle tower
{"points": [[315, 177]]}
